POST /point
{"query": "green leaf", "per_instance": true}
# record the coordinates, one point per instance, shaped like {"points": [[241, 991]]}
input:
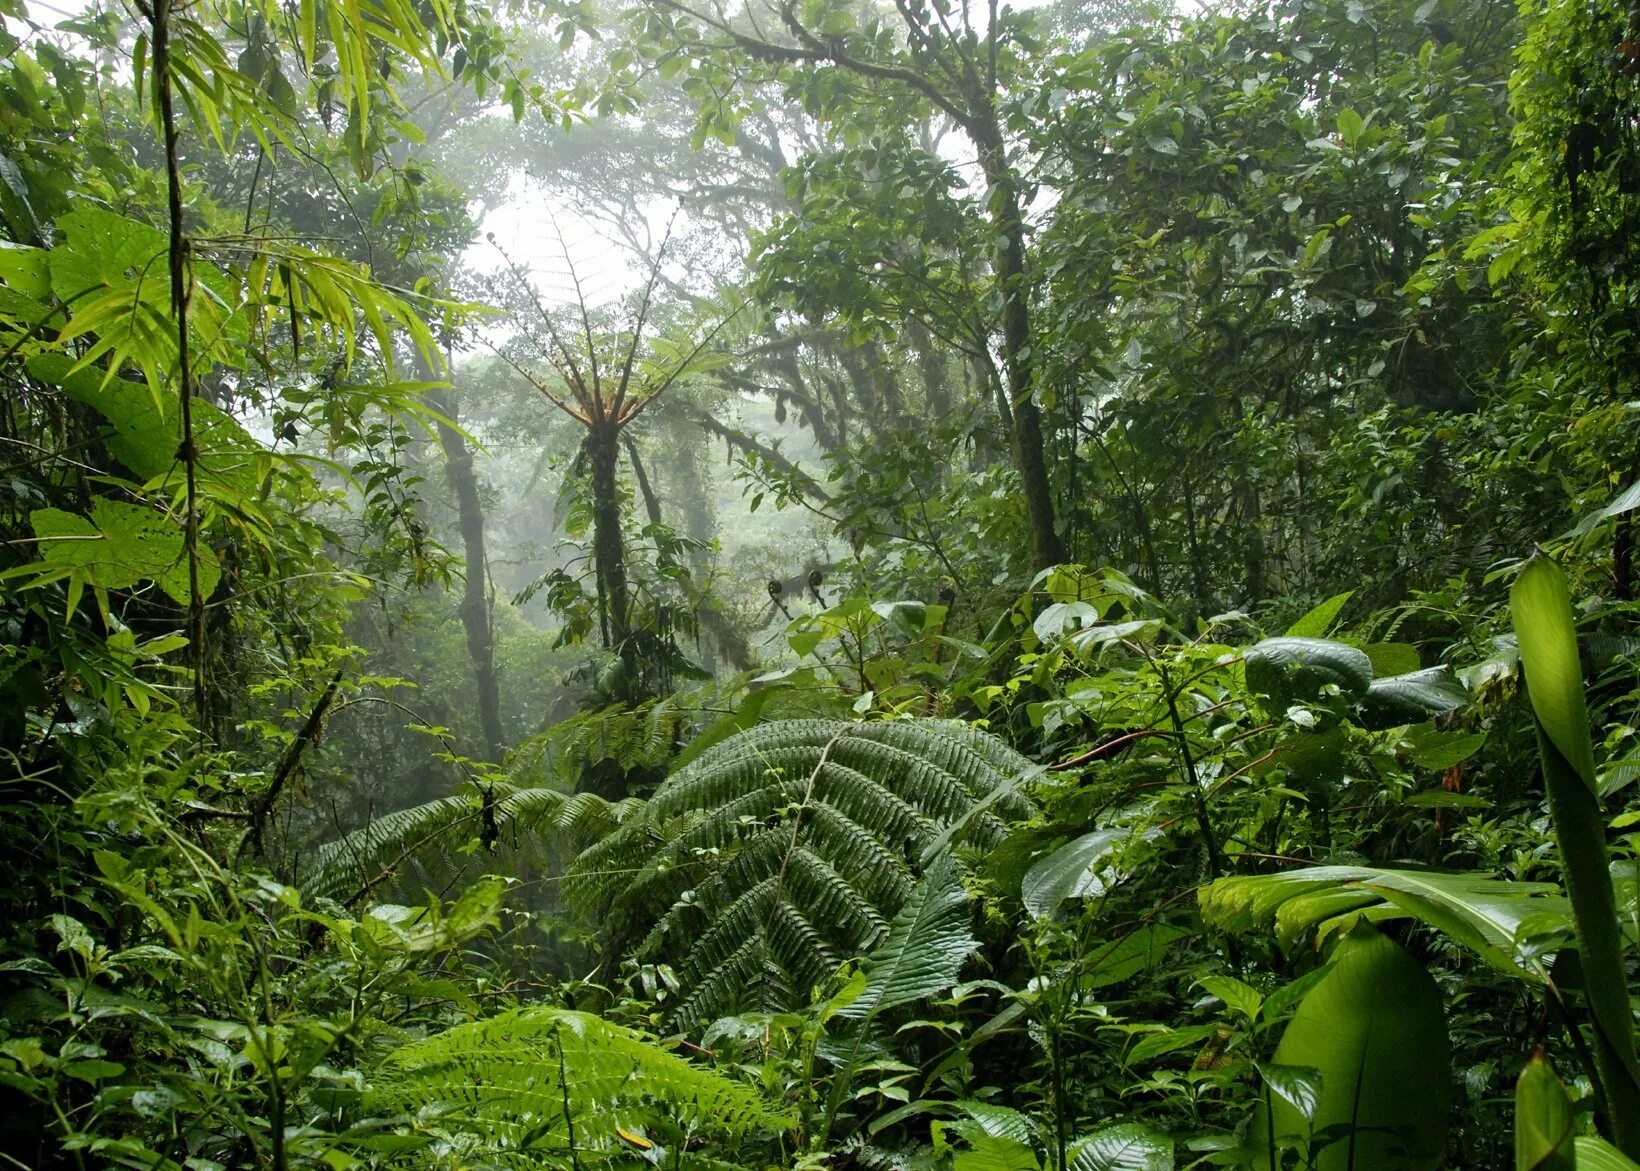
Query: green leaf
{"points": [[1131, 954], [1237, 996], [1073, 871], [1127, 1147], [1596, 1154], [146, 433], [1392, 658], [119, 546], [1486, 915], [1541, 609], [515, 1074], [1285, 669], [1431, 749], [1545, 1121], [1299, 1086], [926, 945], [1375, 1029], [1350, 126], [1319, 621], [1406, 699], [992, 1153]]}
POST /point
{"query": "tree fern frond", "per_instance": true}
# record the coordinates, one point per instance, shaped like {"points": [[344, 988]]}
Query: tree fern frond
{"points": [[420, 848], [528, 1079], [781, 851]]}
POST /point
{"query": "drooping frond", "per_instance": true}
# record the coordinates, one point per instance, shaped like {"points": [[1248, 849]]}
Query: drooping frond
{"points": [[626, 737], [421, 848], [547, 1087], [764, 863]]}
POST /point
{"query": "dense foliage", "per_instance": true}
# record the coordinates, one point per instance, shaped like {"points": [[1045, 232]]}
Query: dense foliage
{"points": [[739, 584]]}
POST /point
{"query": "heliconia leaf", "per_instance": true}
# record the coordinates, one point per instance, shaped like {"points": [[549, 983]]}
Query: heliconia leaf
{"points": [[1486, 915], [1374, 1028], [1541, 609], [1544, 1120], [1596, 1154]]}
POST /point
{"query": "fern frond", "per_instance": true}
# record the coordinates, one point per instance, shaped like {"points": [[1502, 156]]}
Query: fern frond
{"points": [[770, 858], [420, 848], [523, 1082]]}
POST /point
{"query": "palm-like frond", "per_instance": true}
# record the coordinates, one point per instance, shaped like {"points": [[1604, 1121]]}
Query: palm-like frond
{"points": [[774, 856], [545, 1087], [421, 848]]}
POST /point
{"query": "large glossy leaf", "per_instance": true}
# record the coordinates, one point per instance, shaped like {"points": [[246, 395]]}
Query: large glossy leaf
{"points": [[926, 945], [1544, 1120], [1490, 916], [1318, 621], [1596, 1154], [1541, 610], [1411, 698], [1127, 1147], [1073, 871], [1283, 669], [1375, 1029]]}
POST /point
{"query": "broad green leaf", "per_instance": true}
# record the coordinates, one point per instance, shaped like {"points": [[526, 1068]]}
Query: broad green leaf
{"points": [[1375, 1029], [146, 431], [1406, 699], [1073, 871], [1541, 610], [1432, 749], [1236, 994], [991, 1153], [1319, 621], [1625, 501], [1129, 1146], [1126, 957], [1299, 1086], [119, 546], [925, 947], [1487, 915], [1545, 1122], [1392, 658], [1350, 125], [1284, 669], [1596, 1154]]}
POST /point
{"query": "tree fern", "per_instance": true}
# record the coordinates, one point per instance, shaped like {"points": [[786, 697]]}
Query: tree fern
{"points": [[779, 853], [625, 738], [546, 1087], [423, 847]]}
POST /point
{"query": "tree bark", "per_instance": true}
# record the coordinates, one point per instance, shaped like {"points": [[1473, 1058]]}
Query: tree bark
{"points": [[603, 447], [1008, 226], [475, 604]]}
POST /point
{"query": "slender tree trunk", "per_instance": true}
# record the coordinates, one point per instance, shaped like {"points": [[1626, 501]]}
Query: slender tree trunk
{"points": [[475, 603], [1008, 225], [603, 447]]}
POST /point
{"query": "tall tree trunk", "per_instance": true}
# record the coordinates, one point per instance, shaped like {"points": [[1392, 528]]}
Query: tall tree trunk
{"points": [[603, 447], [475, 603], [1008, 226]]}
